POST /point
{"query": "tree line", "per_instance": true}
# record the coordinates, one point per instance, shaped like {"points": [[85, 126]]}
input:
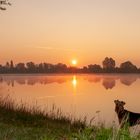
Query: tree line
{"points": [[108, 66]]}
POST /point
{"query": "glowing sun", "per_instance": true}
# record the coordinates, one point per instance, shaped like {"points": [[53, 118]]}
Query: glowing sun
{"points": [[74, 62]]}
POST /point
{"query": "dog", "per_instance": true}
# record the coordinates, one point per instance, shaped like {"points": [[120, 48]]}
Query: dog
{"points": [[125, 116]]}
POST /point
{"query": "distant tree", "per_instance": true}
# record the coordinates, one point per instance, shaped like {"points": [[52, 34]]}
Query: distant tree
{"points": [[94, 68], [20, 67], [72, 69], [108, 64], [7, 66], [41, 67], [49, 68], [31, 67], [128, 67], [46, 67], [3, 4], [11, 64], [1, 68], [60, 67], [84, 69]]}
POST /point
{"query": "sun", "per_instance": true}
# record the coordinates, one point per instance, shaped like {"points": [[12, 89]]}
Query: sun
{"points": [[74, 62]]}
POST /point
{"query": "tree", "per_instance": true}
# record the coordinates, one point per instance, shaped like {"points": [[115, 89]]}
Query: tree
{"points": [[11, 64], [4, 3], [20, 67], [1, 68], [31, 67], [109, 64], [7, 66], [84, 69], [41, 67], [128, 67], [94, 68], [46, 67], [60, 67], [49, 67]]}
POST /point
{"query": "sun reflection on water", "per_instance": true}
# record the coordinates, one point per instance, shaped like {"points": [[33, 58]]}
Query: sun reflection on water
{"points": [[74, 81]]}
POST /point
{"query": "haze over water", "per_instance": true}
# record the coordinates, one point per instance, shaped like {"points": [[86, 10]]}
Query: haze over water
{"points": [[79, 95]]}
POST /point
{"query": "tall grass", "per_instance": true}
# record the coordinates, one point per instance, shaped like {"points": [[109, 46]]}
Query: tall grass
{"points": [[19, 122], [103, 133], [34, 116]]}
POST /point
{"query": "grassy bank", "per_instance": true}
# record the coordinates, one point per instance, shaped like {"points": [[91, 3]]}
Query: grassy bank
{"points": [[18, 122]]}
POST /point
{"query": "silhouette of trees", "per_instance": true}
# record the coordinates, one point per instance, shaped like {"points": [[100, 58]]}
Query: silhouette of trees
{"points": [[94, 68], [31, 67], [73, 70], [11, 64], [49, 67], [84, 69], [3, 4], [40, 68], [108, 64], [20, 67], [60, 68], [128, 67], [1, 68], [7, 66]]}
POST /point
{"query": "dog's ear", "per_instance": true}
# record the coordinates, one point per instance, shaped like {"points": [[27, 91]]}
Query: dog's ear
{"points": [[115, 101], [123, 103]]}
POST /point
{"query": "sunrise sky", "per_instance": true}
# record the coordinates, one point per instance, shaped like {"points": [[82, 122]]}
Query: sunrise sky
{"points": [[62, 30]]}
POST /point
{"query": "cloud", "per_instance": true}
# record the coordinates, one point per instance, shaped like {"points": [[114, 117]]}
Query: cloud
{"points": [[56, 48]]}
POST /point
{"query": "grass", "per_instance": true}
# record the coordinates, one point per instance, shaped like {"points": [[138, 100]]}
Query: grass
{"points": [[22, 122], [18, 122], [103, 133]]}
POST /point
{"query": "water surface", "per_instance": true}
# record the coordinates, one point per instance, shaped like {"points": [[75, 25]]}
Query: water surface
{"points": [[88, 95]]}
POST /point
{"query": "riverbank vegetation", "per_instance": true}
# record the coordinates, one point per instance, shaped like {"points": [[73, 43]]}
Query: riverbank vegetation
{"points": [[19, 122]]}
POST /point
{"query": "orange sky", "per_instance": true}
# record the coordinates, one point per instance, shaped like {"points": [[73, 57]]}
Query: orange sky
{"points": [[60, 30]]}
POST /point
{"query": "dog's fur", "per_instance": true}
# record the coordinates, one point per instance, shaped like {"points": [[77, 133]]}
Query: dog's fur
{"points": [[126, 116]]}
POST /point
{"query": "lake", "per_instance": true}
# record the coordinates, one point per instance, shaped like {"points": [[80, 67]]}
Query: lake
{"points": [[80, 95]]}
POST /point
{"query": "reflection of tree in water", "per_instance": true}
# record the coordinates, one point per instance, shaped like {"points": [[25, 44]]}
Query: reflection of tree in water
{"points": [[46, 80], [21, 81], [10, 82], [108, 83], [93, 79], [128, 80], [108, 80], [32, 80]]}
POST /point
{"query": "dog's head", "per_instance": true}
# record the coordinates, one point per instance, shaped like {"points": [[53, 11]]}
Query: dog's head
{"points": [[119, 105]]}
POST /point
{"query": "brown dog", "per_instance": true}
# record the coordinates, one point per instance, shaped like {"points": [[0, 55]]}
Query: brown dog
{"points": [[126, 116]]}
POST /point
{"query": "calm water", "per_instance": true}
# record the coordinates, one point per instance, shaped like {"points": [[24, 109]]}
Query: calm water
{"points": [[79, 95]]}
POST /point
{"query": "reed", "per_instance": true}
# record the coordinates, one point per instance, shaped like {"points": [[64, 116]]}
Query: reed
{"points": [[21, 122]]}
